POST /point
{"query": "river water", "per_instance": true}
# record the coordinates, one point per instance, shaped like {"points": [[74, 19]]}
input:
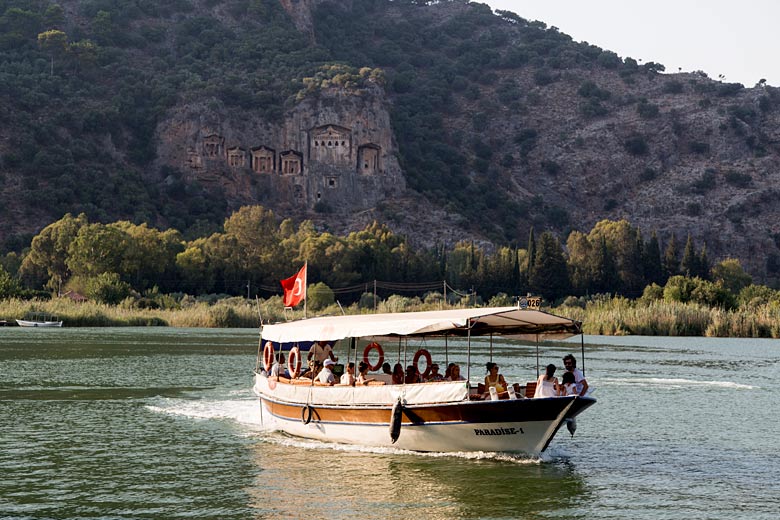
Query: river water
{"points": [[161, 423]]}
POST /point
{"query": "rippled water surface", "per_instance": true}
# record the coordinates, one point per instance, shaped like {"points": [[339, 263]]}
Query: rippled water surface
{"points": [[161, 423]]}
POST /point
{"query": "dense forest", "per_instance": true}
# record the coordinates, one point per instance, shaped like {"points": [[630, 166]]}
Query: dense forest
{"points": [[136, 265]]}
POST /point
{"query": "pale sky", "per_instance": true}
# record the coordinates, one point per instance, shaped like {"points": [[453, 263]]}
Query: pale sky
{"points": [[739, 39]]}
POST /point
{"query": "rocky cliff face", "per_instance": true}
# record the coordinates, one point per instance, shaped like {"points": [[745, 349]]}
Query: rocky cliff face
{"points": [[332, 153]]}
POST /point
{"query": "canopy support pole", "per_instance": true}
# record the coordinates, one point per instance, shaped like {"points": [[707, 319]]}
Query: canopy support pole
{"points": [[537, 356], [582, 343], [468, 351]]}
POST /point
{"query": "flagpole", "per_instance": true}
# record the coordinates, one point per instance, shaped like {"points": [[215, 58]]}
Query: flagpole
{"points": [[305, 285]]}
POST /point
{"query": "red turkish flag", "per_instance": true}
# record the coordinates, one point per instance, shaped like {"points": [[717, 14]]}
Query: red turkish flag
{"points": [[294, 288]]}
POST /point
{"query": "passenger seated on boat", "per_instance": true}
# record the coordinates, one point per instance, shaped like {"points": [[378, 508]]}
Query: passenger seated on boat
{"points": [[434, 375], [494, 380], [567, 386], [363, 378], [348, 377], [579, 378], [412, 375], [547, 384], [386, 369], [398, 374], [276, 368], [454, 373], [326, 376], [311, 373]]}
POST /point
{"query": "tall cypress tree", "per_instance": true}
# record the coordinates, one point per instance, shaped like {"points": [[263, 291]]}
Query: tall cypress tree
{"points": [[704, 264], [689, 264], [606, 278], [531, 260], [651, 258], [550, 275], [671, 262]]}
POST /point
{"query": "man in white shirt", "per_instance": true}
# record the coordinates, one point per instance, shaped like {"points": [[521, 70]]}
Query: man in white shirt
{"points": [[326, 376], [579, 379], [321, 351]]}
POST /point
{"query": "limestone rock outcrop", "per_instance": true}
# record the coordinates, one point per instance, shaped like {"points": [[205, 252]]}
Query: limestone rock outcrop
{"points": [[333, 152]]}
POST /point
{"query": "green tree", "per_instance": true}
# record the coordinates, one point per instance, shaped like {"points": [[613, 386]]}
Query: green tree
{"points": [[581, 262], [97, 249], [9, 287], [46, 263], [53, 42], [531, 256], [105, 288], [623, 243], [730, 273], [83, 54], [671, 260], [319, 296], [197, 267], [651, 261], [689, 266], [150, 257], [54, 17], [679, 288], [550, 276]]}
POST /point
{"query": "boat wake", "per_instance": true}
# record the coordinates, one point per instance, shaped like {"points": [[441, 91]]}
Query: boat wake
{"points": [[243, 411], [657, 382]]}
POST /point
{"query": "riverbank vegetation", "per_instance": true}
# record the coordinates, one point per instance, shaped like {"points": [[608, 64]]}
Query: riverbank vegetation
{"points": [[615, 281]]}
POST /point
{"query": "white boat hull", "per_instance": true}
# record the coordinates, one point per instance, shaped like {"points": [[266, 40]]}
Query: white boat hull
{"points": [[27, 323], [521, 425]]}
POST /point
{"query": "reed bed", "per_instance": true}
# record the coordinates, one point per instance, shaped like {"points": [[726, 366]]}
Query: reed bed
{"points": [[603, 316], [619, 316]]}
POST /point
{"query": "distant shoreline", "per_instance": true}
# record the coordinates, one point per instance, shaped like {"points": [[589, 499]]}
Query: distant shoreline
{"points": [[607, 317]]}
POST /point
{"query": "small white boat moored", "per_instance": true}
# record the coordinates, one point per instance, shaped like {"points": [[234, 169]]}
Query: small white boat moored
{"points": [[442, 416], [40, 319]]}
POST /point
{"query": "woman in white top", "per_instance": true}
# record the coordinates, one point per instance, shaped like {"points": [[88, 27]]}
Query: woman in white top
{"points": [[547, 384], [348, 377], [363, 378]]}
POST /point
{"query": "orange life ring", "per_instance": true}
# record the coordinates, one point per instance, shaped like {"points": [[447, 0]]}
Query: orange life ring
{"points": [[428, 360], [294, 367], [268, 356], [369, 348]]}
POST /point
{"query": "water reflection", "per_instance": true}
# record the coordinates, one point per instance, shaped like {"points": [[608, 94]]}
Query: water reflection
{"points": [[302, 479]]}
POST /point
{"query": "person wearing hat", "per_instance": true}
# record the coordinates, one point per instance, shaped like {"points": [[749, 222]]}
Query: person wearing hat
{"points": [[326, 376]]}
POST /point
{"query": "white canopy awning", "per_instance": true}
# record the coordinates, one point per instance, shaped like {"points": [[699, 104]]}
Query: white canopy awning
{"points": [[503, 321]]}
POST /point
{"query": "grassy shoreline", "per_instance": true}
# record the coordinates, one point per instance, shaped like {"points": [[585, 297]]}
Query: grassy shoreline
{"points": [[611, 317]]}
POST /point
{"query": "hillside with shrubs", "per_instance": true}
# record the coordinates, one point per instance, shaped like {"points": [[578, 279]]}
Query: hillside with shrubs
{"points": [[502, 125]]}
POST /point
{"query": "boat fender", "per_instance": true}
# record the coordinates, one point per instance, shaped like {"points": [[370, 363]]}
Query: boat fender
{"points": [[396, 416], [428, 360], [268, 356], [571, 425], [306, 414], [369, 348], [294, 362]]}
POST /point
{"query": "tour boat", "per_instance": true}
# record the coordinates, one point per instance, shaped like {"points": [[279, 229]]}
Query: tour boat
{"points": [[447, 416], [40, 320]]}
